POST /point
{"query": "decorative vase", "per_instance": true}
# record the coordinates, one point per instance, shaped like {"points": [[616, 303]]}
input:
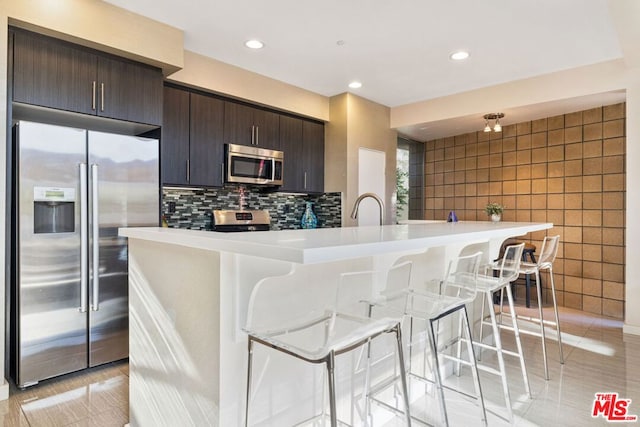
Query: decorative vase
{"points": [[496, 217], [309, 219]]}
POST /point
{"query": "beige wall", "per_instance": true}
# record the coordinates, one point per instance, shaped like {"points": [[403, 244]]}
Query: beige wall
{"points": [[358, 123], [101, 26], [576, 82], [210, 74], [632, 234], [335, 149]]}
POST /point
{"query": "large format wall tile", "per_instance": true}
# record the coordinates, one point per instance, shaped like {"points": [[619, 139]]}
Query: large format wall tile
{"points": [[567, 169]]}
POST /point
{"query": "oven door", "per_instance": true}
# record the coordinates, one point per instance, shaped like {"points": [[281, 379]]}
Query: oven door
{"points": [[254, 168]]}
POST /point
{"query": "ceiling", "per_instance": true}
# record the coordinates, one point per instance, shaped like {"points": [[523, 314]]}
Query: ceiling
{"points": [[398, 50]]}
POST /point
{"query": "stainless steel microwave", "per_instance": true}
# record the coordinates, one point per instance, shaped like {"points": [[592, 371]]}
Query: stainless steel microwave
{"points": [[253, 165]]}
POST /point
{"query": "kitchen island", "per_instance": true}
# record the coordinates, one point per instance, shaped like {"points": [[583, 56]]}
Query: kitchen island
{"points": [[188, 296]]}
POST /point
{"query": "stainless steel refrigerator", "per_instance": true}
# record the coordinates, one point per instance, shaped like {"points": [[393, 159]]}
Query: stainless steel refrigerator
{"points": [[73, 189]]}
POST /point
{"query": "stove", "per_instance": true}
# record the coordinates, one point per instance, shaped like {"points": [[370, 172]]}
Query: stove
{"points": [[229, 221]]}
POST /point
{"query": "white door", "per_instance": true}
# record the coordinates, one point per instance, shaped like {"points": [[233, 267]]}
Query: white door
{"points": [[371, 167]]}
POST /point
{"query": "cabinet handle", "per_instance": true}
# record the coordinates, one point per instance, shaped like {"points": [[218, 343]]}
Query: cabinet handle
{"points": [[305, 181], [188, 171], [101, 96], [257, 135], [93, 95], [222, 172], [253, 135]]}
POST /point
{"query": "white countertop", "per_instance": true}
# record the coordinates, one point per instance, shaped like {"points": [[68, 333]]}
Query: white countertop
{"points": [[334, 244]]}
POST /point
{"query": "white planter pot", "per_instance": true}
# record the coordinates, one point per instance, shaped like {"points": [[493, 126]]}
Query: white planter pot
{"points": [[496, 217]]}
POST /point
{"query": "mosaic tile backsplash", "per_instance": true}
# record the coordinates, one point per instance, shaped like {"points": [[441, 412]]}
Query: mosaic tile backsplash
{"points": [[193, 206]]}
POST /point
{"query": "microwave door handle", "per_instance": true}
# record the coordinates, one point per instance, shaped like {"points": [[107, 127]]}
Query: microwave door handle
{"points": [[273, 169]]}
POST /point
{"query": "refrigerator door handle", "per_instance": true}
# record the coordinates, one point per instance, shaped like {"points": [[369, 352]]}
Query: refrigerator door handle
{"points": [[95, 226], [84, 241]]}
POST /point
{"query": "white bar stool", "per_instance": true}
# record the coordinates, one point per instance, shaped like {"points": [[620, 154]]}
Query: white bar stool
{"points": [[457, 289], [284, 316], [488, 285], [545, 262]]}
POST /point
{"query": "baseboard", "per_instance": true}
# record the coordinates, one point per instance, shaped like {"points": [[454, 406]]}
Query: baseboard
{"points": [[631, 329], [4, 390]]}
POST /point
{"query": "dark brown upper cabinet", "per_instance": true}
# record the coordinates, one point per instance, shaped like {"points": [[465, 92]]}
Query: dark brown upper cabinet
{"points": [[52, 73], [192, 139], [313, 156], [291, 144], [174, 140], [246, 125], [206, 146], [302, 142]]}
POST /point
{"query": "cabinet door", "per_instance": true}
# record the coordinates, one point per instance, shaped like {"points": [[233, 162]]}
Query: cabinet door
{"points": [[247, 125], [129, 91], [206, 140], [238, 124], [291, 145], [267, 129], [54, 74], [313, 137], [174, 142]]}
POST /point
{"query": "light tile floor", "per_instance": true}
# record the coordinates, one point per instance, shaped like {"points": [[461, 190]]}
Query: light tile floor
{"points": [[97, 397], [598, 358]]}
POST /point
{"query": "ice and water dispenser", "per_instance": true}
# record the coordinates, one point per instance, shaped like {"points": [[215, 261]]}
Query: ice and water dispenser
{"points": [[54, 210]]}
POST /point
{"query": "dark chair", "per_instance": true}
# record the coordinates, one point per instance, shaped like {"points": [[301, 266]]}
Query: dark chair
{"points": [[529, 250]]}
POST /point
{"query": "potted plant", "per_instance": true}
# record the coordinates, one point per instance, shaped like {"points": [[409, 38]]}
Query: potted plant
{"points": [[494, 210]]}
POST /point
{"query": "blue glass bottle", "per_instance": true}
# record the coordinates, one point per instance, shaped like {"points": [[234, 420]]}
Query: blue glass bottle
{"points": [[309, 219]]}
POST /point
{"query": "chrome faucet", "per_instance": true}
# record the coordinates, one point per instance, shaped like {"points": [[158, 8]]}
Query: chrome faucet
{"points": [[375, 197]]}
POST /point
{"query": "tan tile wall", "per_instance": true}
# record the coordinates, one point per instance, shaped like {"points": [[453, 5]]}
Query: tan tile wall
{"points": [[569, 170]]}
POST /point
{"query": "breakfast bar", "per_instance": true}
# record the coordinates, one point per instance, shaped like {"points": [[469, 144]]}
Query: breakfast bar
{"points": [[188, 298]]}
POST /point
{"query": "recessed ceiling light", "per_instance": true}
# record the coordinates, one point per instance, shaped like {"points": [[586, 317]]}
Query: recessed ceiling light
{"points": [[459, 55], [355, 84], [254, 44]]}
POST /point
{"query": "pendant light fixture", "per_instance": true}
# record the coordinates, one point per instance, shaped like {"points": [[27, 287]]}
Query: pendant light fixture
{"points": [[493, 116]]}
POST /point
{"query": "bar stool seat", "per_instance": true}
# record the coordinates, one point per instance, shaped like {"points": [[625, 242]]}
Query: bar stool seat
{"points": [[545, 262], [457, 289], [280, 319], [528, 252]]}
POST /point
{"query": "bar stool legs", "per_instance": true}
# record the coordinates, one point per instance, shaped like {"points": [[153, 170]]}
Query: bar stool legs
{"points": [[500, 351], [542, 333], [520, 352], [472, 363], [555, 310]]}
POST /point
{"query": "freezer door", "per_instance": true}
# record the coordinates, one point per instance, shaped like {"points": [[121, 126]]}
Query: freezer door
{"points": [[124, 191], [51, 329]]}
